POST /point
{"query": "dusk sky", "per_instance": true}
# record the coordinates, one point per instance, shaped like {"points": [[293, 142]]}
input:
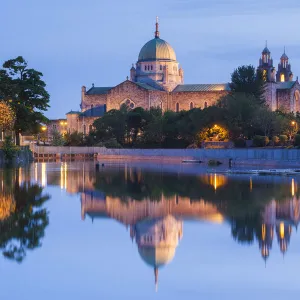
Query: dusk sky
{"points": [[75, 43]]}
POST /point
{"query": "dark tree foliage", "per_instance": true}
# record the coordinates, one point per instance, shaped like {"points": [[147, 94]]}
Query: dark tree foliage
{"points": [[24, 229], [25, 91], [248, 80]]}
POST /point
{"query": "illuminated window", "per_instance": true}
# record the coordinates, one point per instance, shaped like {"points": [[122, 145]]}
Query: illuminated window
{"points": [[177, 107], [191, 105], [265, 75], [205, 104], [282, 78]]}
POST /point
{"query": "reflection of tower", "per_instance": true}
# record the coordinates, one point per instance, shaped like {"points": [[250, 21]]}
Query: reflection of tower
{"points": [[283, 232], [266, 240], [157, 240]]}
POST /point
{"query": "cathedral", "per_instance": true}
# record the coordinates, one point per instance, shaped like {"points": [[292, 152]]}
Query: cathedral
{"points": [[157, 80]]}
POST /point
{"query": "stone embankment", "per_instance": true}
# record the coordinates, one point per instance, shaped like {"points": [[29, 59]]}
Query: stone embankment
{"points": [[238, 157]]}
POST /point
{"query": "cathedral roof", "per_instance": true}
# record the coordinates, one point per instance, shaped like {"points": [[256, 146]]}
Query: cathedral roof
{"points": [[98, 90], [97, 111], [157, 256], [285, 85], [202, 87], [157, 49], [266, 50]]}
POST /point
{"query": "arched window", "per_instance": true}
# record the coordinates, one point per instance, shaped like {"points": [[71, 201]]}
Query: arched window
{"points": [[177, 107], [205, 104], [151, 68], [282, 78], [148, 68], [145, 68], [160, 67], [129, 103], [191, 105]]}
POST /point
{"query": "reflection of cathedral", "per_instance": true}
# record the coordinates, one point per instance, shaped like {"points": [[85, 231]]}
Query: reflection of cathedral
{"points": [[281, 217], [155, 226]]}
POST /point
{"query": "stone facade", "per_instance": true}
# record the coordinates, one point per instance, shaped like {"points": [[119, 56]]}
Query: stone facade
{"points": [[157, 80]]}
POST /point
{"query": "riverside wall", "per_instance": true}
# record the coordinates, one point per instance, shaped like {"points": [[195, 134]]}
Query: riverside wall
{"points": [[249, 156]]}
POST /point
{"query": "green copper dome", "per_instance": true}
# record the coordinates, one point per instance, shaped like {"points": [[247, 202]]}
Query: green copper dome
{"points": [[157, 49]]}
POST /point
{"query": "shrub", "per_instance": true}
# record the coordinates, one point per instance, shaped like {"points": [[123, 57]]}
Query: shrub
{"points": [[213, 162], [283, 139], [260, 141], [9, 148], [297, 140], [240, 143], [111, 144], [275, 140]]}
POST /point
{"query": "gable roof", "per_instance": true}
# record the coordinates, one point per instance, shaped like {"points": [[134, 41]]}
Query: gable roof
{"points": [[202, 87], [146, 86], [73, 113], [285, 85], [98, 90], [97, 111]]}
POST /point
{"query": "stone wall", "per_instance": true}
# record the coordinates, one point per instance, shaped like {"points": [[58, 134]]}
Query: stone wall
{"points": [[95, 100], [197, 98], [127, 90]]}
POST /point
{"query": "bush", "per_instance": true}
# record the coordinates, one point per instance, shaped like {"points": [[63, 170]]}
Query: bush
{"points": [[275, 140], [111, 144], [283, 140], [240, 143], [260, 141], [297, 140], [9, 148], [213, 162]]}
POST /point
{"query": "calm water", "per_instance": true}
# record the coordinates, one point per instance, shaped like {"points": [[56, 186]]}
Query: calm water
{"points": [[147, 232]]}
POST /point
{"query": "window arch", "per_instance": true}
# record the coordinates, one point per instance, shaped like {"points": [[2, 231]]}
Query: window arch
{"points": [[177, 107], [191, 105], [205, 104], [129, 103]]}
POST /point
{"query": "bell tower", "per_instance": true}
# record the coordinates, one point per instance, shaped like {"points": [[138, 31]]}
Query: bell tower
{"points": [[284, 72], [266, 65]]}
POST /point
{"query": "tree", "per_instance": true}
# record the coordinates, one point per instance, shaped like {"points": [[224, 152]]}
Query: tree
{"points": [[245, 79], [264, 120], [238, 112], [24, 90], [57, 139], [7, 117]]}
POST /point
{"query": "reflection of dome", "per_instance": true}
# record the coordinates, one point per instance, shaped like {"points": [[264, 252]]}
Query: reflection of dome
{"points": [[157, 257], [157, 49], [7, 206]]}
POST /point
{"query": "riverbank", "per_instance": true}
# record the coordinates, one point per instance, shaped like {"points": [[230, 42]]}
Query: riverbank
{"points": [[22, 156], [239, 157]]}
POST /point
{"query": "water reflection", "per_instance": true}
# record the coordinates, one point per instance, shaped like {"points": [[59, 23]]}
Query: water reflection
{"points": [[154, 205], [22, 217]]}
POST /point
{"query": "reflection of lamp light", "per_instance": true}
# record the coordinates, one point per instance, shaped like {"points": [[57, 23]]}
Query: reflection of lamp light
{"points": [[281, 230]]}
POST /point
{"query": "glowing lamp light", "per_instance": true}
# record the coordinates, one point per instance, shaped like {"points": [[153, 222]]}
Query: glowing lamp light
{"points": [[44, 128], [293, 123]]}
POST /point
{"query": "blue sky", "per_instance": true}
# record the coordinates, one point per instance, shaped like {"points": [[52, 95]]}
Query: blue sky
{"points": [[77, 43]]}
